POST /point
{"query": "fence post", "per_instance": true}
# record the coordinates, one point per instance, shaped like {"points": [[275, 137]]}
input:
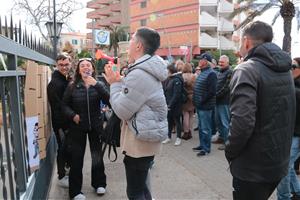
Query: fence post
{"points": [[16, 126]]}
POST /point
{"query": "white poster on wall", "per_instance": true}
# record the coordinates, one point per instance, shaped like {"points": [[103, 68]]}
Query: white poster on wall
{"points": [[102, 37], [32, 130]]}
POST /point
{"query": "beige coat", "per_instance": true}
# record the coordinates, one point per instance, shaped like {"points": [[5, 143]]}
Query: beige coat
{"points": [[137, 148], [189, 81]]}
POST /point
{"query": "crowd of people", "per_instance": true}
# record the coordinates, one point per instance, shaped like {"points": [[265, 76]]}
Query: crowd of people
{"points": [[251, 110]]}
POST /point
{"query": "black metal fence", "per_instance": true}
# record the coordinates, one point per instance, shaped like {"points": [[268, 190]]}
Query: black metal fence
{"points": [[16, 181]]}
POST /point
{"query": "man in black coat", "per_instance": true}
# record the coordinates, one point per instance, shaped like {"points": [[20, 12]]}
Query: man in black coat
{"points": [[262, 107], [290, 183], [222, 99], [55, 91]]}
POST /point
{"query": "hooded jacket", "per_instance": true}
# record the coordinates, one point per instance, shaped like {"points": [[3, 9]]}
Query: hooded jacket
{"points": [[140, 96], [262, 106]]}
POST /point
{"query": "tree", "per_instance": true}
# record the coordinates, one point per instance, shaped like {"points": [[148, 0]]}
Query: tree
{"points": [[117, 34], [38, 12], [286, 10]]}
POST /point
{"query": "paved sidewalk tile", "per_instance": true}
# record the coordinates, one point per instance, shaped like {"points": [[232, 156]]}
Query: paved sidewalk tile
{"points": [[178, 174]]}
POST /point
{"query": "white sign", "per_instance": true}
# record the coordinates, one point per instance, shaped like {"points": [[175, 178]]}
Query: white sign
{"points": [[102, 37], [33, 145]]}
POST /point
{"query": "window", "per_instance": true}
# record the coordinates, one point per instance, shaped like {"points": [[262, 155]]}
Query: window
{"points": [[143, 4], [74, 41], [143, 22]]}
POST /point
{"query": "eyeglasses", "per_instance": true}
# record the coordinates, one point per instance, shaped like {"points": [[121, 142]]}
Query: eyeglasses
{"points": [[87, 59], [64, 65]]}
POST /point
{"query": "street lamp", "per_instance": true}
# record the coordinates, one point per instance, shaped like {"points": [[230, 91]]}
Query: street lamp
{"points": [[54, 29], [54, 34]]}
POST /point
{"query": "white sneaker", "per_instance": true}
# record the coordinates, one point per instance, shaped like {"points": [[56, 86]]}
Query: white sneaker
{"points": [[177, 142], [215, 137], [64, 182], [100, 190], [79, 197], [166, 141]]}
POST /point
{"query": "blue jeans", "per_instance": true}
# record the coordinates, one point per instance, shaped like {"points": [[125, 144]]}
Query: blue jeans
{"points": [[290, 183], [222, 112], [205, 128]]}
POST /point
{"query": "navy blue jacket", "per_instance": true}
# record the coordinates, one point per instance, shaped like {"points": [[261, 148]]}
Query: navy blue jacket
{"points": [[204, 97]]}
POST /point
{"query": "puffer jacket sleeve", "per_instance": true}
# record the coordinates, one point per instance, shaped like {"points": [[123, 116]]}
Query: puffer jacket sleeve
{"points": [[102, 90], [67, 99], [243, 107], [128, 97]]}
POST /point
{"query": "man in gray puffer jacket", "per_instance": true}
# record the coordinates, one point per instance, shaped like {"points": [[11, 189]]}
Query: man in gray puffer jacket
{"points": [[138, 99], [262, 107]]}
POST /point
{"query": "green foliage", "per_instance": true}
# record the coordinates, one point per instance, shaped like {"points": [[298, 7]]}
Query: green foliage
{"points": [[84, 54], [117, 34]]}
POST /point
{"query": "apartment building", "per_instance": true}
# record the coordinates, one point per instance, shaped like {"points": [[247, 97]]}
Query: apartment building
{"points": [[187, 27], [76, 39], [106, 13]]}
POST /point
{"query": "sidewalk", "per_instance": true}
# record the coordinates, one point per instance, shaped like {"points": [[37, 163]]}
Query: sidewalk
{"points": [[177, 174]]}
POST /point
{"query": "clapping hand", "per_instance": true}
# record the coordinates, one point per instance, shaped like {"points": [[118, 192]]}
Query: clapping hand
{"points": [[112, 73]]}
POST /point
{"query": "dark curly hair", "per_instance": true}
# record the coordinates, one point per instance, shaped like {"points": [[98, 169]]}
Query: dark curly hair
{"points": [[77, 75]]}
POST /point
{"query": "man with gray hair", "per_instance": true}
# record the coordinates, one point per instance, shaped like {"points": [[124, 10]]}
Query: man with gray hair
{"points": [[222, 99], [262, 107]]}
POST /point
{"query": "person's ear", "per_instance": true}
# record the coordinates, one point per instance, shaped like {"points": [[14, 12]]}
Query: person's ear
{"points": [[248, 43]]}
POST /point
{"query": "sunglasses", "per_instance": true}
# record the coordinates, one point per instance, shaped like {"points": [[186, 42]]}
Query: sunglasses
{"points": [[294, 66], [87, 59]]}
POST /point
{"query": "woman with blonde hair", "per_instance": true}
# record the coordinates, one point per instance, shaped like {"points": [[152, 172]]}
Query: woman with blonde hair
{"points": [[188, 108]]}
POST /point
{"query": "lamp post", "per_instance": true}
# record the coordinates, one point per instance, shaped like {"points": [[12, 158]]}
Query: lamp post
{"points": [[54, 29]]}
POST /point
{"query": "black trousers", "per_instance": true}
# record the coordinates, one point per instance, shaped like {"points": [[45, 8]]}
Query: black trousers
{"points": [[245, 190], [78, 138], [174, 118], [137, 170], [63, 157]]}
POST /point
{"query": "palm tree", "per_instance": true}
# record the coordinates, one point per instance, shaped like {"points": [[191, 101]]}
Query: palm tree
{"points": [[287, 11], [117, 34]]}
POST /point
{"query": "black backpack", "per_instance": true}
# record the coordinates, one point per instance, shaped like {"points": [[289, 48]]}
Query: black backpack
{"points": [[111, 136]]}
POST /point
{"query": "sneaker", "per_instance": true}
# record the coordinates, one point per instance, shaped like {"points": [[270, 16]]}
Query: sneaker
{"points": [[197, 148], [100, 190], [177, 142], [79, 197], [166, 141], [196, 129], [217, 141], [64, 182], [222, 147], [202, 153]]}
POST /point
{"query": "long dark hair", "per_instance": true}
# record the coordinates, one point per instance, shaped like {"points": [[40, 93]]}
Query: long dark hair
{"points": [[297, 59], [77, 75]]}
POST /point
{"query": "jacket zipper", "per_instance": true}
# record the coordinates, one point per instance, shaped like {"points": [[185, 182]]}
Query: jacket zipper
{"points": [[88, 107]]}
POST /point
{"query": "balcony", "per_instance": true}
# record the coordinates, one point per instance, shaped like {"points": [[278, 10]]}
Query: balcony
{"points": [[225, 7], [207, 41], [116, 19], [225, 26], [226, 44], [208, 2], [116, 7], [208, 20], [92, 4], [103, 2]]}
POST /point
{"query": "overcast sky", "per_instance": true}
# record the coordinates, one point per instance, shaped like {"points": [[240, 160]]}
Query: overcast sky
{"points": [[79, 21]]}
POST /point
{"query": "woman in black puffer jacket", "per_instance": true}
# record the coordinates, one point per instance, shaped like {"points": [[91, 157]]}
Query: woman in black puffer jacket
{"points": [[173, 88], [82, 106]]}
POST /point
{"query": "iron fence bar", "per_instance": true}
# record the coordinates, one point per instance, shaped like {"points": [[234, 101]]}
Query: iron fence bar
{"points": [[5, 127], [11, 47], [12, 73], [14, 88]]}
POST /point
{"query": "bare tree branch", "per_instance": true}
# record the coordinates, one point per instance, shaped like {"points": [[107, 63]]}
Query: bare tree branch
{"points": [[40, 11]]}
